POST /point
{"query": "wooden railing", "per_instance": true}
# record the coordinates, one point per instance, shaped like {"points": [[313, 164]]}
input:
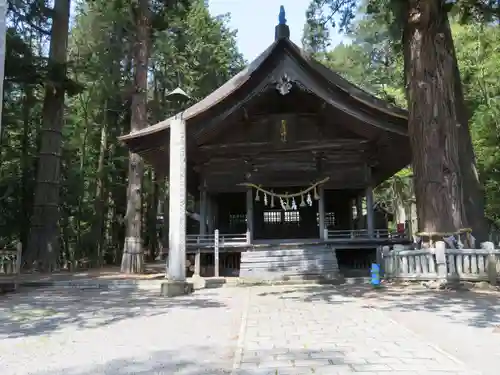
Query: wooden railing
{"points": [[217, 241], [441, 263], [333, 235], [225, 240], [10, 267]]}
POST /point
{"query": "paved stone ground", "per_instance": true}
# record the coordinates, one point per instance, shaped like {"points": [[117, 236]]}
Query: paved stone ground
{"points": [[117, 332], [249, 331]]}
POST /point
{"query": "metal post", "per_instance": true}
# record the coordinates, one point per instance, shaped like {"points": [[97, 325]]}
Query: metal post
{"points": [[216, 253]]}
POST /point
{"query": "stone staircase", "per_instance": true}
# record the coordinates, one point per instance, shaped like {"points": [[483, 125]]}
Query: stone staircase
{"points": [[290, 262]]}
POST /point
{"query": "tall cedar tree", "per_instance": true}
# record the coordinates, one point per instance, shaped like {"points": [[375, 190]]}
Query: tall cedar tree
{"points": [[43, 242], [447, 188]]}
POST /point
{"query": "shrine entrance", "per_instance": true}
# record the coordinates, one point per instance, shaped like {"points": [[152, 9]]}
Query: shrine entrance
{"points": [[301, 223], [286, 213]]}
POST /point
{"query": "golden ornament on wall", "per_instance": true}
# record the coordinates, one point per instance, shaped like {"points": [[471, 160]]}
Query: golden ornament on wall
{"points": [[283, 131]]}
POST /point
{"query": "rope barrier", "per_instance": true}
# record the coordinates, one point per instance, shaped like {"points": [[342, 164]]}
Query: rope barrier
{"points": [[286, 195]]}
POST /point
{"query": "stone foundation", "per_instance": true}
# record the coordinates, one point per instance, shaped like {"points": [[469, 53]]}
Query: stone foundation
{"points": [[172, 288]]}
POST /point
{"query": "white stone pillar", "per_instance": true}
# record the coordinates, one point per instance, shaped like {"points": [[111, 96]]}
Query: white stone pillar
{"points": [[177, 201], [321, 212], [370, 225], [250, 214]]}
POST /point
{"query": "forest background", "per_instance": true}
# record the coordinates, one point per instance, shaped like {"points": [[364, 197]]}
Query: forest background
{"points": [[71, 88]]}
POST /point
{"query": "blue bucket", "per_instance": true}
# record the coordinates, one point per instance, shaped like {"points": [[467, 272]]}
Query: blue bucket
{"points": [[375, 274]]}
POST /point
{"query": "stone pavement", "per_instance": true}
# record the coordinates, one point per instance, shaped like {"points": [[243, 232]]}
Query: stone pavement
{"points": [[320, 330], [249, 331]]}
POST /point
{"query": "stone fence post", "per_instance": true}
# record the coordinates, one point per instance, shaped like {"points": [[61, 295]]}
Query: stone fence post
{"points": [[492, 262], [442, 268], [216, 253], [385, 256]]}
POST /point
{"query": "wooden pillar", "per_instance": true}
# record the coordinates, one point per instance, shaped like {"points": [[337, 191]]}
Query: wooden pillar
{"points": [[250, 214], [359, 212], [210, 215], [203, 228], [351, 214], [321, 212], [369, 211], [177, 201]]}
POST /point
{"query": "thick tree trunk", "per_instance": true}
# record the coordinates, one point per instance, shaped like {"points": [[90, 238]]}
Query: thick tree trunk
{"points": [[474, 199], [133, 256], [3, 37], [99, 218], [434, 125], [43, 243], [26, 169]]}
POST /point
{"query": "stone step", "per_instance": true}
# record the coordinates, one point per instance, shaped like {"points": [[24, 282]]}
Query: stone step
{"points": [[292, 257], [309, 262], [287, 252], [289, 263]]}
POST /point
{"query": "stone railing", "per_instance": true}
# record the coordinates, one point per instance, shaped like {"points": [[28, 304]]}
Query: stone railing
{"points": [[440, 263], [10, 267]]}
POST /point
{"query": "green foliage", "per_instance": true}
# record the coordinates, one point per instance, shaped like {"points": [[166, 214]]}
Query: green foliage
{"points": [[189, 47], [478, 53], [373, 61]]}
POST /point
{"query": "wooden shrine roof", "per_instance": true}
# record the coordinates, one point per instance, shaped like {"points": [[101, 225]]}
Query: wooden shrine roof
{"points": [[384, 125], [280, 46]]}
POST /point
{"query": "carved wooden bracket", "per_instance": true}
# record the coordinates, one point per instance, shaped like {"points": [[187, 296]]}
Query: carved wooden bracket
{"points": [[284, 84], [286, 81]]}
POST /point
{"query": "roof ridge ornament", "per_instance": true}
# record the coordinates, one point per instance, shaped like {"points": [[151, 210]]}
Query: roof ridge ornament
{"points": [[281, 30], [282, 16]]}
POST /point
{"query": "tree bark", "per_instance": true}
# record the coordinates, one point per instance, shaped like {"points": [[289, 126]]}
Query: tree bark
{"points": [[133, 256], [434, 123], [26, 168], [99, 218], [3, 37], [43, 243], [474, 198]]}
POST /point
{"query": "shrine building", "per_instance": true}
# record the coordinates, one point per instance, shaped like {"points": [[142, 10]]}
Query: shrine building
{"points": [[282, 161]]}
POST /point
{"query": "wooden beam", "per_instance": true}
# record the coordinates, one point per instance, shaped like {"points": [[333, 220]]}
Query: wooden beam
{"points": [[258, 147]]}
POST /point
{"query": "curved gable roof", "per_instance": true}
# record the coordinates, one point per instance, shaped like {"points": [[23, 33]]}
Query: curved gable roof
{"points": [[235, 83]]}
